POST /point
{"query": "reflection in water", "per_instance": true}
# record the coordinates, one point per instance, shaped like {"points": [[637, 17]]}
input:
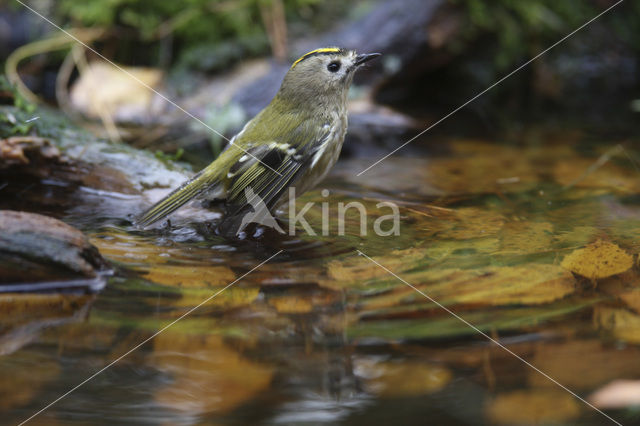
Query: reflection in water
{"points": [[208, 376], [26, 315], [500, 235], [314, 408]]}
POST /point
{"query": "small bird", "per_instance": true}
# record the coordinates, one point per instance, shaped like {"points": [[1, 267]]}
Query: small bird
{"points": [[293, 142]]}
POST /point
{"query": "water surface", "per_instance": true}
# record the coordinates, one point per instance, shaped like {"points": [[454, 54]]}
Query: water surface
{"points": [[321, 335]]}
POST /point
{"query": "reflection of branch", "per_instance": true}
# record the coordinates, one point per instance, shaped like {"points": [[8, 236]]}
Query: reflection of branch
{"points": [[601, 161], [275, 24], [58, 42]]}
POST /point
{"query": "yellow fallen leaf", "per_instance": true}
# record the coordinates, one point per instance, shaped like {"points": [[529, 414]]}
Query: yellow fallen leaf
{"points": [[401, 379], [600, 259], [533, 407]]}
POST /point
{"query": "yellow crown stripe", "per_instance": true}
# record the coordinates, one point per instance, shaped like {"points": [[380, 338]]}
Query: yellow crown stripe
{"points": [[313, 52]]}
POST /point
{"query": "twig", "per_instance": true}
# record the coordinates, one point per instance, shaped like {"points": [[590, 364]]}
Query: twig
{"points": [[275, 24], [58, 42], [601, 161]]}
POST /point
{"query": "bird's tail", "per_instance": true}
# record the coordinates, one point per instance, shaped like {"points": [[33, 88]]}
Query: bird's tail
{"points": [[186, 192]]}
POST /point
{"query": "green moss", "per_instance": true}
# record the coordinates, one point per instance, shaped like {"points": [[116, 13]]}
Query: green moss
{"points": [[8, 91]]}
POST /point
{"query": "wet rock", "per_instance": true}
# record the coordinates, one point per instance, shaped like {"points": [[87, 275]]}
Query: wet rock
{"points": [[55, 149], [42, 253]]}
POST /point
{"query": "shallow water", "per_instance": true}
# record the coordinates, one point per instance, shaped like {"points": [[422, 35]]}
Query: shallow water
{"points": [[321, 335]]}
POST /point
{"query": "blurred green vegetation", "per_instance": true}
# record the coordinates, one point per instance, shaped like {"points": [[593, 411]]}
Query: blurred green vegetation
{"points": [[9, 92], [204, 35], [209, 35], [524, 28], [9, 124]]}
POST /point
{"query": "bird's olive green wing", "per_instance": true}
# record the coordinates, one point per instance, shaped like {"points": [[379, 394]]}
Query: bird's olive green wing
{"points": [[281, 162]]}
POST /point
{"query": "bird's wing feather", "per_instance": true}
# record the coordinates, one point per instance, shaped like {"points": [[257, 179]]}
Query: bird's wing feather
{"points": [[287, 156]]}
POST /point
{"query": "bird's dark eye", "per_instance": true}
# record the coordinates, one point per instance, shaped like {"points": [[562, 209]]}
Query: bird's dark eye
{"points": [[334, 66]]}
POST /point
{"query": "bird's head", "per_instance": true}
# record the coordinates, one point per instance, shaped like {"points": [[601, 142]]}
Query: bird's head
{"points": [[322, 74]]}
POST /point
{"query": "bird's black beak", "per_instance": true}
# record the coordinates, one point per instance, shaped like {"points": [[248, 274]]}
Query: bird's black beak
{"points": [[361, 59]]}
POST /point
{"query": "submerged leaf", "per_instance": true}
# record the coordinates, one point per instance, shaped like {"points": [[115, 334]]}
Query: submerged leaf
{"points": [[600, 259]]}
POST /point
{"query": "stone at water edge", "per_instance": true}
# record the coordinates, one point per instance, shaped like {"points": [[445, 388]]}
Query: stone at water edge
{"points": [[42, 253]]}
